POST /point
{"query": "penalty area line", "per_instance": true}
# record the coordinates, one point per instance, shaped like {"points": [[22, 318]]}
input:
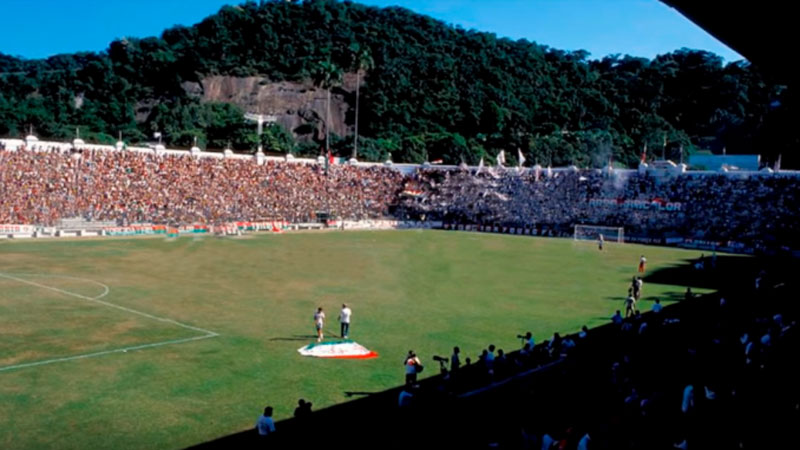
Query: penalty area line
{"points": [[102, 302], [206, 334]]}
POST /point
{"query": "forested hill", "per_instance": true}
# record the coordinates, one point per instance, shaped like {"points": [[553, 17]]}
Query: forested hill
{"points": [[429, 90]]}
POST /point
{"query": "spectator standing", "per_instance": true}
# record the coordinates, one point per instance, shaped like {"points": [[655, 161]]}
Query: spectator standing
{"points": [[455, 359], [406, 395], [585, 443], [265, 425], [303, 409], [489, 359], [657, 306]]}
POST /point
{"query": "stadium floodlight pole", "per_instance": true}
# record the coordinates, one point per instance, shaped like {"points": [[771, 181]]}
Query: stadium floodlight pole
{"points": [[260, 119], [355, 138]]}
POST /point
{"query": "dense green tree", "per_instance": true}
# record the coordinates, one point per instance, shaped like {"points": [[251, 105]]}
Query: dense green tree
{"points": [[362, 62], [326, 76], [431, 90], [276, 138]]}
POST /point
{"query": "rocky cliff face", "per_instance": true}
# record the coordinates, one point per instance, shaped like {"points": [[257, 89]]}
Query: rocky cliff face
{"points": [[299, 107]]}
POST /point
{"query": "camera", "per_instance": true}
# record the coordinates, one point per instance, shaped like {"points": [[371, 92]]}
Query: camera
{"points": [[442, 363], [520, 336]]}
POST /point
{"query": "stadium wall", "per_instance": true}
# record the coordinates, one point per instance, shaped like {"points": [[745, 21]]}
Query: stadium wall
{"points": [[656, 168], [669, 241], [16, 231]]}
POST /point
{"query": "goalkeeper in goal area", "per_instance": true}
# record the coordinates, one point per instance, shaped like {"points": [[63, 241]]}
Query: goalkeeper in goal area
{"points": [[599, 234]]}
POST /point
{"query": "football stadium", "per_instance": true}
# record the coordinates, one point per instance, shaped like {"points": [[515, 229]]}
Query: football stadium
{"points": [[199, 247]]}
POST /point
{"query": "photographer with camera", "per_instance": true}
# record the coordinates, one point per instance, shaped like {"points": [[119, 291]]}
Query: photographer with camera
{"points": [[527, 339], [413, 367]]}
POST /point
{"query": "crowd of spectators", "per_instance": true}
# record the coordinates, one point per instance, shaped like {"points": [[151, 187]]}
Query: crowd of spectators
{"points": [[42, 187], [714, 378], [753, 209]]}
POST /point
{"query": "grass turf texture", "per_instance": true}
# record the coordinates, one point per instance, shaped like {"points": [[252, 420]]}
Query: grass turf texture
{"points": [[425, 291]]}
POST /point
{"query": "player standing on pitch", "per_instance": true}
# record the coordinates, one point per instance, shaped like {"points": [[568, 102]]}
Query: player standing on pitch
{"points": [[642, 264], [600, 242], [319, 322], [344, 318], [630, 304]]}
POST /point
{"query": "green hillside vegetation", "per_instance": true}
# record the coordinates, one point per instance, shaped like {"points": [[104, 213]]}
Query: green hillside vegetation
{"points": [[429, 90]]}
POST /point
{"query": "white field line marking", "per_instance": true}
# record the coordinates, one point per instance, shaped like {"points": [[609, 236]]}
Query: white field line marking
{"points": [[102, 302], [107, 352], [206, 333]]}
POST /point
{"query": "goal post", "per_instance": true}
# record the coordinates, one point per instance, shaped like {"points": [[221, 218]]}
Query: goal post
{"points": [[593, 233]]}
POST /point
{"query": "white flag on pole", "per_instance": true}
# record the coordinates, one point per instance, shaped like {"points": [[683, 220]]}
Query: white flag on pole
{"points": [[480, 166], [501, 158], [521, 157]]}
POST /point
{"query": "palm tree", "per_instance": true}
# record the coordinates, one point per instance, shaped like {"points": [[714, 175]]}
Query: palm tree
{"points": [[326, 76], [364, 63]]}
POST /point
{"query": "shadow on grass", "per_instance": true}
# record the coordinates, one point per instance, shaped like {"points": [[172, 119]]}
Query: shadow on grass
{"points": [[667, 297], [352, 393], [296, 337], [729, 271]]}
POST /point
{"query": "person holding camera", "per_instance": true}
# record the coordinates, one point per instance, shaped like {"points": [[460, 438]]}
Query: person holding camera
{"points": [[527, 339], [413, 367]]}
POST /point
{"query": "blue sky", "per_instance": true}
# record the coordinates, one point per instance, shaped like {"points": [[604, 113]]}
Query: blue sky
{"points": [[40, 28]]}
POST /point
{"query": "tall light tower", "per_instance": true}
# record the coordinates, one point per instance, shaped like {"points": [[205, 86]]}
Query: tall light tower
{"points": [[260, 119]]}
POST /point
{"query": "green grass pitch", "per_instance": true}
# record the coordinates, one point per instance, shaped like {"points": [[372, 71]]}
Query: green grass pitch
{"points": [[219, 322]]}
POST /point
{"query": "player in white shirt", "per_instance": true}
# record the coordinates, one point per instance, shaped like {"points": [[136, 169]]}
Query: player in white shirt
{"points": [[600, 242], [319, 322], [630, 304], [344, 319]]}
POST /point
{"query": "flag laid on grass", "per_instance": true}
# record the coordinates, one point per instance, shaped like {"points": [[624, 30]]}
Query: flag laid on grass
{"points": [[341, 349]]}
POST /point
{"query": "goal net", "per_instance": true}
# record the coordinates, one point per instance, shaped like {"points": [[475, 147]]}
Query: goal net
{"points": [[593, 233]]}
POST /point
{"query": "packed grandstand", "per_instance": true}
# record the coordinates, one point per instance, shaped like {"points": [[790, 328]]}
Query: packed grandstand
{"points": [[48, 183]]}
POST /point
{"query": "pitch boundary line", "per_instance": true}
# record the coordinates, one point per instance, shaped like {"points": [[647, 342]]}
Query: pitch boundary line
{"points": [[206, 334], [106, 352]]}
